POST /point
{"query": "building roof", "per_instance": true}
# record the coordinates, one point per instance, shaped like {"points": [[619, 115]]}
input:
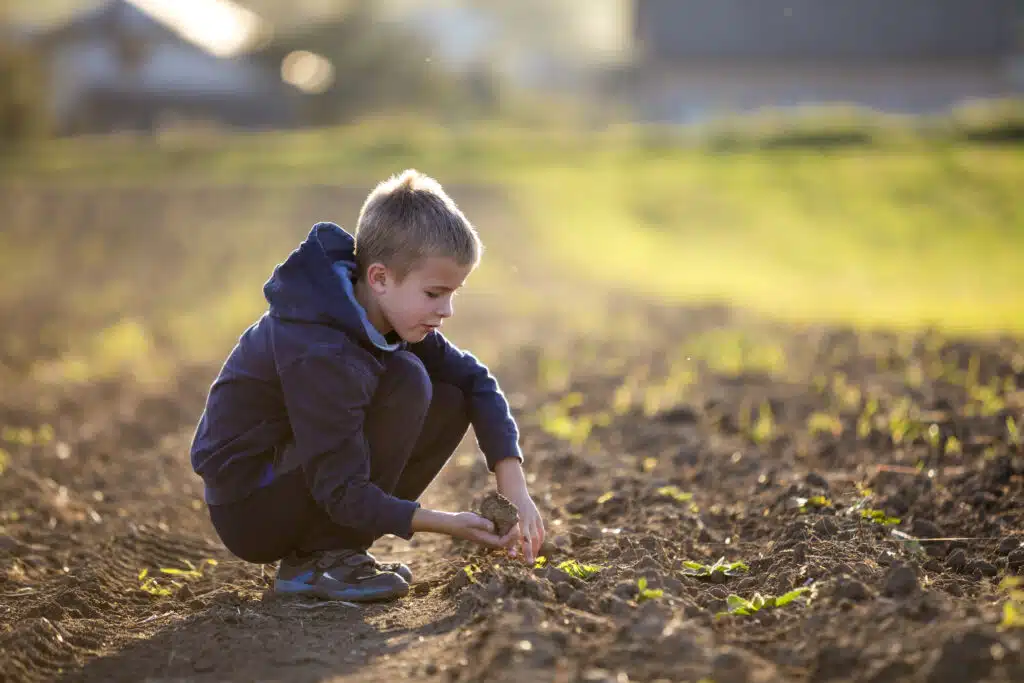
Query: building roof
{"points": [[220, 27]]}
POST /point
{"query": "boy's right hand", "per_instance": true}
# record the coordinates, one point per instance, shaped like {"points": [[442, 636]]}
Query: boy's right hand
{"points": [[467, 526]]}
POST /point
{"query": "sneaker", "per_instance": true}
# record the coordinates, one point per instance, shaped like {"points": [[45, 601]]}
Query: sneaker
{"points": [[393, 567], [338, 575]]}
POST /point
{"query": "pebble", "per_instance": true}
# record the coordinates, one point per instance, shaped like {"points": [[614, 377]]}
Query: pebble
{"points": [[1008, 545], [923, 528], [1016, 559], [901, 582], [957, 560], [852, 589], [983, 567], [816, 480]]}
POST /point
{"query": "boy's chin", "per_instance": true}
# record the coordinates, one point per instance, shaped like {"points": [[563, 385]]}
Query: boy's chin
{"points": [[414, 335]]}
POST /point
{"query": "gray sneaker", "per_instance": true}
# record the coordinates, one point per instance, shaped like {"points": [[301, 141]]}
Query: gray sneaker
{"points": [[393, 567], [348, 575]]}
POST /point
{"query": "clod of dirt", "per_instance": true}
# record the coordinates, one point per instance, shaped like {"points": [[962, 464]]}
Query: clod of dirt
{"points": [[1008, 545], [957, 560], [1015, 560], [964, 657], [983, 567], [732, 665], [826, 527], [901, 582], [923, 528], [852, 589], [499, 510], [817, 481]]}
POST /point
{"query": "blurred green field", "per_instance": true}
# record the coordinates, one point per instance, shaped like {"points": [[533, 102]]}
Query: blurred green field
{"points": [[852, 222]]}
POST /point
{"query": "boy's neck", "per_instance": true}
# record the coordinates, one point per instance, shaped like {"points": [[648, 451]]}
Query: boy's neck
{"points": [[364, 295]]}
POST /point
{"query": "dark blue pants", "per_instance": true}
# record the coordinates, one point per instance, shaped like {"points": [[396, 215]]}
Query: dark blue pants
{"points": [[412, 427]]}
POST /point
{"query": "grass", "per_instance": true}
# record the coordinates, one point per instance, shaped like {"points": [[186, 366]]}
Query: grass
{"points": [[899, 231]]}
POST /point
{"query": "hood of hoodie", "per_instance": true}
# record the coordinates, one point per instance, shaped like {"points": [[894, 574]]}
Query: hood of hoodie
{"points": [[315, 285]]}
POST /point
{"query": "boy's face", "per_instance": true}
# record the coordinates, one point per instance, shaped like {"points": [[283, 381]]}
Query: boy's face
{"points": [[421, 301]]}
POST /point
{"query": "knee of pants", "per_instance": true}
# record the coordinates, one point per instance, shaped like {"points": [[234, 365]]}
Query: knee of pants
{"points": [[405, 380]]}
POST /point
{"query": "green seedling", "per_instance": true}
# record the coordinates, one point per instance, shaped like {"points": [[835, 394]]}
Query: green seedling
{"points": [[678, 495], [864, 422], [471, 570], [583, 572], [4, 460], [1013, 608], [151, 584], [805, 505], [541, 561], [740, 606], [823, 423], [1013, 431], [878, 517], [953, 446], [643, 593], [722, 567], [764, 428], [605, 497]]}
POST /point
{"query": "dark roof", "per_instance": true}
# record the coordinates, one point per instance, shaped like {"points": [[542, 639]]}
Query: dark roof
{"points": [[826, 29], [112, 17]]}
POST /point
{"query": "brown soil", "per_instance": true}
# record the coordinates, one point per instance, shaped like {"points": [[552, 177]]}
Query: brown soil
{"points": [[501, 511], [105, 492]]}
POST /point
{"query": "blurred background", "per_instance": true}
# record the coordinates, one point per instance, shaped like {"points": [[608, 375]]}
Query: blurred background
{"points": [[850, 161]]}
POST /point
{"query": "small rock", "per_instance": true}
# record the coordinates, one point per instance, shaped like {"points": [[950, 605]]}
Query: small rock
{"points": [[731, 665], [1015, 560], [564, 591], [983, 567], [901, 582], [625, 589], [852, 589], [597, 676], [430, 669], [579, 600], [615, 606], [1008, 545], [957, 560], [800, 553], [923, 528], [826, 527], [964, 658], [816, 480]]}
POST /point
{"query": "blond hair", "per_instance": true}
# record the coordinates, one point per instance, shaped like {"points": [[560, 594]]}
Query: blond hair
{"points": [[408, 218]]}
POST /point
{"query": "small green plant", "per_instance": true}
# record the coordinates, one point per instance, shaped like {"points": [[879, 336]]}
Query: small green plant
{"points": [[1013, 608], [605, 497], [578, 570], [823, 423], [4, 460], [879, 517], [643, 593], [471, 570], [953, 446], [740, 606], [720, 567], [541, 561], [1013, 431], [153, 586], [679, 496], [764, 429], [805, 505]]}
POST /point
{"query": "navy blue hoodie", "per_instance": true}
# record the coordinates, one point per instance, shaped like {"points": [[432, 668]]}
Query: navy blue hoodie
{"points": [[303, 375]]}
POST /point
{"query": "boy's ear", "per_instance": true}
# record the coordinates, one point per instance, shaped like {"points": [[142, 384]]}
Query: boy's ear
{"points": [[377, 277]]}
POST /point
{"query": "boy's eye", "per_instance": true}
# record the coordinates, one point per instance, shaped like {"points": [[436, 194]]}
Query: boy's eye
{"points": [[433, 295]]}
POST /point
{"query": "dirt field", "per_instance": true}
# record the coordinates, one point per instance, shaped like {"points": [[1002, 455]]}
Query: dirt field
{"points": [[881, 477]]}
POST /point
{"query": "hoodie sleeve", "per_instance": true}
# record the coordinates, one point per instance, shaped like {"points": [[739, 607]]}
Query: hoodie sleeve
{"points": [[495, 428], [326, 397]]}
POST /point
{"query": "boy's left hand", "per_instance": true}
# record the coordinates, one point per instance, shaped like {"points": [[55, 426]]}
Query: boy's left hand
{"points": [[531, 526]]}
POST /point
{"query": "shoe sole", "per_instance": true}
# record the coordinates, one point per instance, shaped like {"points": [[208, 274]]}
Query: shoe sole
{"points": [[350, 595]]}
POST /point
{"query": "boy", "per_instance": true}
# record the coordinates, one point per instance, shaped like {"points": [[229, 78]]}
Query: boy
{"points": [[338, 407]]}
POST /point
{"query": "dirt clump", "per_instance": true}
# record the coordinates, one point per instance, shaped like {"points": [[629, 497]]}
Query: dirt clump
{"points": [[499, 510]]}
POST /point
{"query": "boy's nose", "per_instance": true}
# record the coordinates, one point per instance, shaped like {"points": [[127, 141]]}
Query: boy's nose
{"points": [[446, 309]]}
